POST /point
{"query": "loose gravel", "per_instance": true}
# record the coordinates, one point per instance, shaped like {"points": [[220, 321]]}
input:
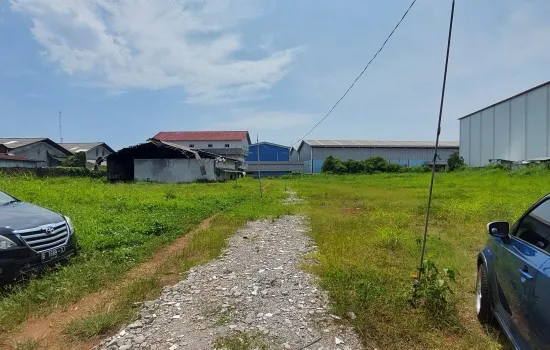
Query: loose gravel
{"points": [[255, 296]]}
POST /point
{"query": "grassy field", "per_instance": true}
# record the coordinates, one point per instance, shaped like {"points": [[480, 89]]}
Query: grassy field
{"points": [[120, 225], [367, 229]]}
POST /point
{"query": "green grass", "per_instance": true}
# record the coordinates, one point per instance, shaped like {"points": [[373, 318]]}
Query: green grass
{"points": [[29, 344], [367, 229], [120, 225]]}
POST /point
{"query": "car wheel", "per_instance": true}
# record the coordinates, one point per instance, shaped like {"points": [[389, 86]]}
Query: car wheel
{"points": [[483, 302]]}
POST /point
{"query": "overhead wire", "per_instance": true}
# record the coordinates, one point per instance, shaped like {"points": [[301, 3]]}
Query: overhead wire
{"points": [[360, 75]]}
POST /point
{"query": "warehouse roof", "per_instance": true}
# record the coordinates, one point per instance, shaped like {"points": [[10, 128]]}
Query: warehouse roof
{"points": [[17, 142], [84, 146], [378, 144], [8, 156], [506, 99], [202, 136]]}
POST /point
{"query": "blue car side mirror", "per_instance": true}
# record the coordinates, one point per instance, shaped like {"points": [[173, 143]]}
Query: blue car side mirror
{"points": [[498, 228]]}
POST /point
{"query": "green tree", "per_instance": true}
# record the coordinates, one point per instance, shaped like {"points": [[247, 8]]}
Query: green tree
{"points": [[354, 166], [375, 164], [76, 160], [334, 165], [455, 162], [329, 165]]}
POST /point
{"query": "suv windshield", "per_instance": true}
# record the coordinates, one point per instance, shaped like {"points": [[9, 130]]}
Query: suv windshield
{"points": [[5, 199]]}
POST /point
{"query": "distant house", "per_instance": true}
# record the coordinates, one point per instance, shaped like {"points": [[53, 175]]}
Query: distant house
{"points": [[43, 150], [234, 144], [274, 160], [8, 160], [162, 161], [93, 150]]}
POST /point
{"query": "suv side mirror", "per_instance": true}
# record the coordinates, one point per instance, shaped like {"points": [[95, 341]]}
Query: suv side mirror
{"points": [[498, 228]]}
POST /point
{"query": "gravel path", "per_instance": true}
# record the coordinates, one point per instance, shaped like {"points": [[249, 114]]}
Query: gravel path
{"points": [[255, 296]]}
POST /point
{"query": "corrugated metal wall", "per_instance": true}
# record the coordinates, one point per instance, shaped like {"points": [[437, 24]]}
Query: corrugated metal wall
{"points": [[404, 156], [4, 163], [515, 129], [268, 153], [390, 154]]}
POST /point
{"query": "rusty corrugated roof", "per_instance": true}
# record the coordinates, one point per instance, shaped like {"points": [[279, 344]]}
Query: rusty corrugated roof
{"points": [[5, 156], [201, 135]]}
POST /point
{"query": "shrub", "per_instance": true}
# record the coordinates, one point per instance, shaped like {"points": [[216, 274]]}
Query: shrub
{"points": [[375, 164], [354, 166], [395, 168], [76, 160], [433, 292], [333, 165], [455, 162]]}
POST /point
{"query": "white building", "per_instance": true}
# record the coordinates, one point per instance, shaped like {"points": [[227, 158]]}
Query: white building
{"points": [[93, 150], [161, 161], [43, 150], [515, 129], [232, 144]]}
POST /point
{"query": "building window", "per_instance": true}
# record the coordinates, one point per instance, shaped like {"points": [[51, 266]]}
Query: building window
{"points": [[210, 145], [97, 152], [226, 145], [191, 145], [103, 153]]}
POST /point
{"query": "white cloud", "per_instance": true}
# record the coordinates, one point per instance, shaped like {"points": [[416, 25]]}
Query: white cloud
{"points": [[250, 119], [193, 44]]}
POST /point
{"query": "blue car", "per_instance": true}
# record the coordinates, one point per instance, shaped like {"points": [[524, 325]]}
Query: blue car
{"points": [[513, 278]]}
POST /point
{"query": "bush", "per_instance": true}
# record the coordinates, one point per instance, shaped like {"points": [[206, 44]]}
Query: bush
{"points": [[420, 169], [433, 292], [354, 166], [375, 164], [76, 160], [455, 162], [334, 165], [395, 168]]}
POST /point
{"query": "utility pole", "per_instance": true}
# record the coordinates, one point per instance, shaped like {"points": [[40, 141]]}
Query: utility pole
{"points": [[259, 171], [60, 134]]}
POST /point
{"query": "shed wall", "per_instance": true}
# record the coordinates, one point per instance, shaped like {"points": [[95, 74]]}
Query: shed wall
{"points": [[37, 151], [516, 129], [99, 151], [172, 170], [4, 163], [390, 154]]}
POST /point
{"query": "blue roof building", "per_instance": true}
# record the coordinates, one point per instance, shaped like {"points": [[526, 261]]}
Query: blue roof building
{"points": [[269, 152]]}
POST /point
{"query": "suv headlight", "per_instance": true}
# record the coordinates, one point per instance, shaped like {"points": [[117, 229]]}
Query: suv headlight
{"points": [[6, 243], [70, 224]]}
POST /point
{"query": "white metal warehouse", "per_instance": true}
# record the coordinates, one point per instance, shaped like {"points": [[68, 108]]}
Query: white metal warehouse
{"points": [[410, 153], [514, 129]]}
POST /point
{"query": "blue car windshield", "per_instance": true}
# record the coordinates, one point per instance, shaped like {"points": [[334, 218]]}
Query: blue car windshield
{"points": [[5, 199]]}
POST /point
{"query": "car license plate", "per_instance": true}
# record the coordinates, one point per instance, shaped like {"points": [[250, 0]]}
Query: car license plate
{"points": [[52, 254]]}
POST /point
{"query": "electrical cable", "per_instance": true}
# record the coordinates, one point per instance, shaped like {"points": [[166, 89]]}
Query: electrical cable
{"points": [[421, 266], [359, 76]]}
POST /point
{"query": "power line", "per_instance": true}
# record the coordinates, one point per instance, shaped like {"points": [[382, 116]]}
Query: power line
{"points": [[360, 75]]}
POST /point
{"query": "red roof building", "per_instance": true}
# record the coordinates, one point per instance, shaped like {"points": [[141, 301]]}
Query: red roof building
{"points": [[233, 144], [202, 136]]}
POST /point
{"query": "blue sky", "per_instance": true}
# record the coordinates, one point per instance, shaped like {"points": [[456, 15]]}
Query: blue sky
{"points": [[120, 71]]}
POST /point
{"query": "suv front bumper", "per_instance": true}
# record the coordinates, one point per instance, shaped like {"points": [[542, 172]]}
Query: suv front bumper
{"points": [[23, 260]]}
